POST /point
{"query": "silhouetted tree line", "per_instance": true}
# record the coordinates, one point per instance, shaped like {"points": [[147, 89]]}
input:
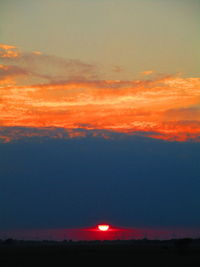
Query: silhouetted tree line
{"points": [[179, 244]]}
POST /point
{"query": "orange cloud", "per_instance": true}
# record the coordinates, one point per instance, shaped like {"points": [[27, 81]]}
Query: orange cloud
{"points": [[163, 107], [147, 72], [36, 53], [8, 51]]}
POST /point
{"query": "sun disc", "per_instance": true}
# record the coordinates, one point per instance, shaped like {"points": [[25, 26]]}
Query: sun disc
{"points": [[103, 227]]}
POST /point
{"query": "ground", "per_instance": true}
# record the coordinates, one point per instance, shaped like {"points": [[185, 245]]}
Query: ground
{"points": [[128, 253]]}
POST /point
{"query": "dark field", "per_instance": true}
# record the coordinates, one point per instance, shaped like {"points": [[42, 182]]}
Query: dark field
{"points": [[185, 252]]}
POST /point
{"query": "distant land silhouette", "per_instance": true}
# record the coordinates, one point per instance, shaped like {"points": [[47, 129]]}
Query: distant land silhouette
{"points": [[93, 233]]}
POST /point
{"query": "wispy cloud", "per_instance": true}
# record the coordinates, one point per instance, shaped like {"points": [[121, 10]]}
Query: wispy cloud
{"points": [[147, 72], [8, 51], [75, 97], [47, 67], [9, 74]]}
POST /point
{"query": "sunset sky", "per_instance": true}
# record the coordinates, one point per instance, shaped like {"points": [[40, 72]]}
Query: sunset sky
{"points": [[99, 113]]}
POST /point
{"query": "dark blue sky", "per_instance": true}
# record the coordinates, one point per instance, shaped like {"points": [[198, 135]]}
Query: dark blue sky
{"points": [[130, 181]]}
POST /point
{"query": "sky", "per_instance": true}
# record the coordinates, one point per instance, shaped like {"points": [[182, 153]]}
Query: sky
{"points": [[99, 113]]}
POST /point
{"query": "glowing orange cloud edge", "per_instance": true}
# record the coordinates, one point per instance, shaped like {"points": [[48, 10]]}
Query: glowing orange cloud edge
{"points": [[162, 108]]}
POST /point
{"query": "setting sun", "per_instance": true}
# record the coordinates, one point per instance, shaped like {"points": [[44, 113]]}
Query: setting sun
{"points": [[103, 227]]}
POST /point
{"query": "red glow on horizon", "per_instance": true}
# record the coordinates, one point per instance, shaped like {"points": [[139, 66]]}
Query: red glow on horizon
{"points": [[93, 233]]}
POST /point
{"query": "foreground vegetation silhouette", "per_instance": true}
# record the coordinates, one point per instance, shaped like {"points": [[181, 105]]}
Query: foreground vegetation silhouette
{"points": [[175, 252]]}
